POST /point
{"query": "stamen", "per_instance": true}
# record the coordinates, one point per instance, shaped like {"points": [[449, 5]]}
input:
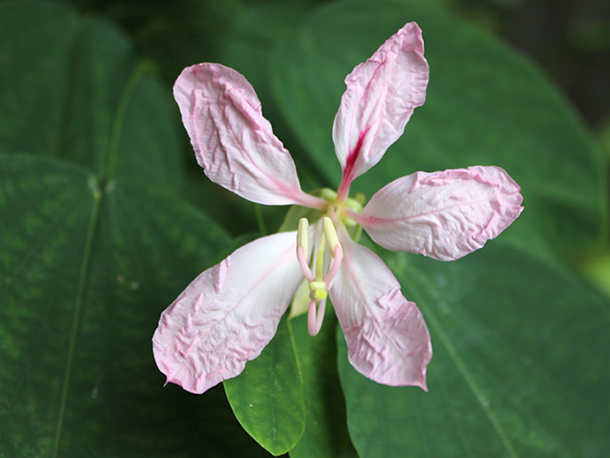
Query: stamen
{"points": [[334, 269], [314, 320], [320, 258], [303, 235], [331, 235], [336, 250], [307, 273], [318, 283], [303, 249]]}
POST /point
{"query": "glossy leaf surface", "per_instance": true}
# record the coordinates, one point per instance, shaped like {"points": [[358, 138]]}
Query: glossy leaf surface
{"points": [[267, 398], [516, 369]]}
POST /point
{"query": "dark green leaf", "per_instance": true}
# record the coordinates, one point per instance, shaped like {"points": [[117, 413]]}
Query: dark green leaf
{"points": [[267, 398], [95, 106], [519, 365], [85, 275], [326, 430]]}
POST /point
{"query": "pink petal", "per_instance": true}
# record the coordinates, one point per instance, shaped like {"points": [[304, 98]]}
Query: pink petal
{"points": [[228, 314], [233, 142], [380, 97], [386, 335], [443, 215]]}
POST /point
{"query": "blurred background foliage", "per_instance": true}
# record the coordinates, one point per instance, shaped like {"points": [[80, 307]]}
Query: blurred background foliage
{"points": [[569, 39]]}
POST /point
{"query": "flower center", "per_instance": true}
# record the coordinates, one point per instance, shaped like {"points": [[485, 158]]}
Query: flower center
{"points": [[336, 206], [320, 271]]}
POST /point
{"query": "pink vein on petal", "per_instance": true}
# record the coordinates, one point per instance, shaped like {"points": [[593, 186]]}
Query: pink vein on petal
{"points": [[350, 163]]}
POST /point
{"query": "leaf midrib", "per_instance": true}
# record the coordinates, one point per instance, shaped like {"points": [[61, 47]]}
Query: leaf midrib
{"points": [[465, 372], [99, 190], [82, 283]]}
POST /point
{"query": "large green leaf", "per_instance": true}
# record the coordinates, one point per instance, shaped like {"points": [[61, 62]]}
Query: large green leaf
{"points": [[85, 274], [485, 105], [325, 433], [94, 245], [267, 397], [93, 102], [519, 365]]}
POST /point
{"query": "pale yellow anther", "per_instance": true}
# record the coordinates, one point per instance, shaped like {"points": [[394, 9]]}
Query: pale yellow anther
{"points": [[303, 236], [331, 235], [319, 268]]}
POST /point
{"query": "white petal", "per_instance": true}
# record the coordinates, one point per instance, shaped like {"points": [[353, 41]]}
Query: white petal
{"points": [[228, 314], [233, 142], [387, 338], [443, 215], [380, 98]]}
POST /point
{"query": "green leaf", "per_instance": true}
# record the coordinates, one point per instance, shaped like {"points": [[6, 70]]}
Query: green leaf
{"points": [[485, 105], [95, 244], [519, 365], [85, 275], [93, 101], [267, 398], [326, 430]]}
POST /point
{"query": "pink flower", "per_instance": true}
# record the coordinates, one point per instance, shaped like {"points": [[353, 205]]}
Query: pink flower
{"points": [[230, 312]]}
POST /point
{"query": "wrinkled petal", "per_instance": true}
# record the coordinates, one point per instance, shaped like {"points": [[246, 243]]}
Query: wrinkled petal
{"points": [[228, 314], [387, 338], [443, 215], [380, 97], [232, 140]]}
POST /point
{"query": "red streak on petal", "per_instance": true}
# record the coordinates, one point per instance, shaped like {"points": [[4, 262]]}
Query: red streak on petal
{"points": [[350, 163]]}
